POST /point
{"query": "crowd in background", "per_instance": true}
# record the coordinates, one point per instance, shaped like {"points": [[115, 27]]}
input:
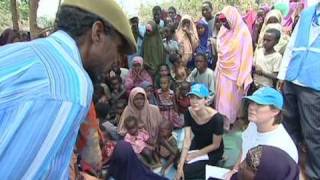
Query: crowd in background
{"points": [[145, 98]]}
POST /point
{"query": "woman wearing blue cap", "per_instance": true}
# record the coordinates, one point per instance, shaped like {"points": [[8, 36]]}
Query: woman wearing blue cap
{"points": [[206, 124], [265, 126]]}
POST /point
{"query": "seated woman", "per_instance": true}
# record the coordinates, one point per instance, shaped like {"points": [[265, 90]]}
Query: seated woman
{"points": [[206, 124], [259, 164], [137, 74], [139, 107], [125, 165]]}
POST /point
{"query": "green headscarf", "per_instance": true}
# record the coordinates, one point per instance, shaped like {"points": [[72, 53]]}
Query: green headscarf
{"points": [[153, 51], [283, 8]]}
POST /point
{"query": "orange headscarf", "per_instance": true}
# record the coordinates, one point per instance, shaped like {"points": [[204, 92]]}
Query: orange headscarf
{"points": [[235, 51], [149, 114], [188, 45]]}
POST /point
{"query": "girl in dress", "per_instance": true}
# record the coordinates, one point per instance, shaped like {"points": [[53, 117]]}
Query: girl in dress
{"points": [[167, 103]]}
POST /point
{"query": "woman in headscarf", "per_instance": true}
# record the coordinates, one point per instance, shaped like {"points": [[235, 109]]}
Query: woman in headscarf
{"points": [[295, 9], [257, 25], [153, 50], [136, 75], [204, 43], [125, 165], [9, 36], [274, 20], [187, 38], [139, 107], [148, 87], [234, 64], [267, 163]]}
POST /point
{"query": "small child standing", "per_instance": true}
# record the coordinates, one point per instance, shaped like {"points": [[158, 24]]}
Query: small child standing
{"points": [[179, 71], [164, 70], [170, 46], [183, 101], [167, 103], [138, 137], [267, 60], [168, 148]]}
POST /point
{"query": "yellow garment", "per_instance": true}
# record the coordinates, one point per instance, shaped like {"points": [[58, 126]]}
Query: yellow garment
{"points": [[111, 12], [268, 63], [273, 13], [188, 46]]}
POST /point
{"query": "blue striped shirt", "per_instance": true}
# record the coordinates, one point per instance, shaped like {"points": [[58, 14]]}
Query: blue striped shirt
{"points": [[44, 97]]}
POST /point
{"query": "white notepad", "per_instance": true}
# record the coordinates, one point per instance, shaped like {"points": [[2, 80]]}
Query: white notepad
{"points": [[215, 172], [199, 158]]}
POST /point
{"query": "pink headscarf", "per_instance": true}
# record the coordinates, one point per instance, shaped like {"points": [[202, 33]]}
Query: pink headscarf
{"points": [[294, 9], [235, 51], [250, 19], [134, 78]]}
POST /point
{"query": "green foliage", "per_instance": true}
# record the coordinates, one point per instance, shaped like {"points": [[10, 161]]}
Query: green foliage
{"points": [[6, 21]]}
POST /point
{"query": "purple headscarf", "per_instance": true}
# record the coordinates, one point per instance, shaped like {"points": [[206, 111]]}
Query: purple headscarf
{"points": [[270, 162], [125, 165], [203, 45], [277, 165]]}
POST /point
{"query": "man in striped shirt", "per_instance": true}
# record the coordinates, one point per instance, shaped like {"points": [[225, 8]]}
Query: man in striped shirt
{"points": [[46, 90]]}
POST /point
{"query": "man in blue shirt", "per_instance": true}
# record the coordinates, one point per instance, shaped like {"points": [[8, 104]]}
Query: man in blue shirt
{"points": [[300, 70], [46, 90]]}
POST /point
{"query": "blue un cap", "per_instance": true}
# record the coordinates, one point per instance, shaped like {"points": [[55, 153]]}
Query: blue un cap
{"points": [[267, 96], [199, 90]]}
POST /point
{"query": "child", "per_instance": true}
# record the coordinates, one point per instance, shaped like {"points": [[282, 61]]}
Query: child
{"points": [[117, 89], [170, 46], [164, 70], [182, 99], [138, 137], [267, 60], [167, 148], [112, 119], [107, 146], [167, 103], [148, 87], [203, 74], [179, 71], [99, 95]]}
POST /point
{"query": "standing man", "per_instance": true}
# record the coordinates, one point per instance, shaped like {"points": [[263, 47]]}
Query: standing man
{"points": [[156, 12], [138, 31], [300, 72], [207, 15], [46, 90]]}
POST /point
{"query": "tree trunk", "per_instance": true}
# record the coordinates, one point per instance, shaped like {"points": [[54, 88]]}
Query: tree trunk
{"points": [[34, 28], [14, 14]]}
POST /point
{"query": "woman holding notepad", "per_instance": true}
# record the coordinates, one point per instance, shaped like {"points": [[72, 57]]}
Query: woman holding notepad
{"points": [[206, 146]]}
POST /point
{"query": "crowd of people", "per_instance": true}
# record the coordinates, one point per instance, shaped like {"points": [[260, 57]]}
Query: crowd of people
{"points": [[150, 83]]}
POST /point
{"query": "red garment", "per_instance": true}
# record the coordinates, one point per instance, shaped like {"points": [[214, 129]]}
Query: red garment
{"points": [[107, 151], [183, 104]]}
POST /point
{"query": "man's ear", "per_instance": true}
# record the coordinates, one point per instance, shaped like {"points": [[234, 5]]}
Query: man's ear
{"points": [[97, 31]]}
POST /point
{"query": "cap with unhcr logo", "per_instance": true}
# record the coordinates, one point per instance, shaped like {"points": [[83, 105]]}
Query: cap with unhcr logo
{"points": [[111, 12]]}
